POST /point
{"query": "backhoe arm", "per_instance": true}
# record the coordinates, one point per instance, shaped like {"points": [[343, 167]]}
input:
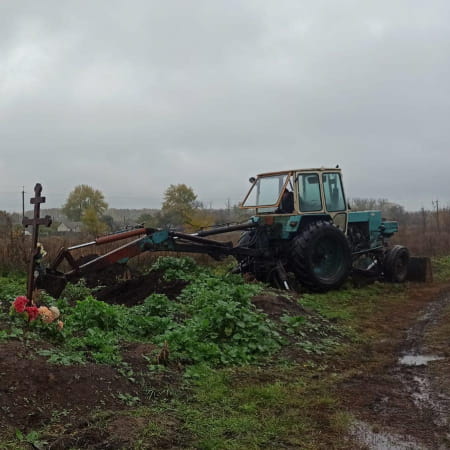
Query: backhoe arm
{"points": [[54, 280]]}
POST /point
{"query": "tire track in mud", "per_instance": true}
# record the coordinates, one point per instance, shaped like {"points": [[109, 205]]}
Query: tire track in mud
{"points": [[409, 407], [414, 363]]}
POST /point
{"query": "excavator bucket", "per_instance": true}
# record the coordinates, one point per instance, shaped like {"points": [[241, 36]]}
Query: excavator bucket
{"points": [[51, 281], [419, 269]]}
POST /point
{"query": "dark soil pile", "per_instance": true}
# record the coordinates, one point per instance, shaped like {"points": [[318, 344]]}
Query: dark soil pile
{"points": [[135, 291], [32, 391], [106, 276], [277, 305]]}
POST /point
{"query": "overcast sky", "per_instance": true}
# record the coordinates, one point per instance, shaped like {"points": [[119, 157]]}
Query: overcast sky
{"points": [[132, 96]]}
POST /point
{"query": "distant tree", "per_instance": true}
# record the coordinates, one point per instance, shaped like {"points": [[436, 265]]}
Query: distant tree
{"points": [[179, 205], [109, 222], [92, 223], [82, 198], [149, 220], [200, 218]]}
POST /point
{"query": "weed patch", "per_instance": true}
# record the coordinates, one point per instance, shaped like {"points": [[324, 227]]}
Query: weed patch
{"points": [[441, 268]]}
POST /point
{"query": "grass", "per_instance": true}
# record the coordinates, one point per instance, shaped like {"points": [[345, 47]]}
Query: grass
{"points": [[348, 306], [233, 409], [441, 268]]}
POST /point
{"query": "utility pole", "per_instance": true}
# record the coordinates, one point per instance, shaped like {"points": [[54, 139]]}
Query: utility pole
{"points": [[23, 202], [436, 205]]}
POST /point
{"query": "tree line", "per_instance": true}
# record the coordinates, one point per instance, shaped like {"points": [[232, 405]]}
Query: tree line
{"points": [[180, 208]]}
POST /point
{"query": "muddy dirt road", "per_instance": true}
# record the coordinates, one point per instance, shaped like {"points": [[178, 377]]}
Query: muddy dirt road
{"points": [[405, 402]]}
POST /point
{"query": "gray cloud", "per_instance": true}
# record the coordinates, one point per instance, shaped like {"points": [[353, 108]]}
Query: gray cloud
{"points": [[133, 96]]}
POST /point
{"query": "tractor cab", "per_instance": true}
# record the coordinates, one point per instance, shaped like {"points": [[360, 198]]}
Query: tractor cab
{"points": [[316, 192]]}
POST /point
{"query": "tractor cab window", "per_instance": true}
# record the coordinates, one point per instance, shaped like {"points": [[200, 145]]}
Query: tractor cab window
{"points": [[309, 192], [334, 194], [265, 194]]}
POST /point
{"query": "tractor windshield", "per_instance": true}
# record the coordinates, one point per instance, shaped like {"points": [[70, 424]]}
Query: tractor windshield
{"points": [[266, 192]]}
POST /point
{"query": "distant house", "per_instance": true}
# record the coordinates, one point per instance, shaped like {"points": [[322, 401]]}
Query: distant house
{"points": [[69, 227]]}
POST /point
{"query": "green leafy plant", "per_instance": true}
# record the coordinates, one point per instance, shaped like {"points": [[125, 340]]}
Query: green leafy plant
{"points": [[63, 357], [176, 268], [92, 313], [33, 438], [10, 288], [293, 324], [222, 326], [74, 292], [128, 399], [101, 345]]}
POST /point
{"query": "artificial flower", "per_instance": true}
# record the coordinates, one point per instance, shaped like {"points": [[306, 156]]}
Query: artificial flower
{"points": [[46, 314], [42, 252], [33, 312], [55, 312], [20, 304]]}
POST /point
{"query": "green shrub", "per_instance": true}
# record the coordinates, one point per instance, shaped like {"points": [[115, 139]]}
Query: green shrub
{"points": [[92, 313], [74, 292], [222, 326], [176, 268]]}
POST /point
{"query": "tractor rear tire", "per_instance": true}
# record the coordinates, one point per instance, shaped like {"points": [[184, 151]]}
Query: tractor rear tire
{"points": [[396, 264], [320, 257]]}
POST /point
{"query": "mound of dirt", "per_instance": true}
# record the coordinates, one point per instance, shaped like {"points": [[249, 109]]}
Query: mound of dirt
{"points": [[106, 276], [277, 305], [135, 291], [32, 391]]}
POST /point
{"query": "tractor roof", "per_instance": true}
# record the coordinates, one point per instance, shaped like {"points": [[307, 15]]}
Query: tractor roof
{"points": [[286, 172]]}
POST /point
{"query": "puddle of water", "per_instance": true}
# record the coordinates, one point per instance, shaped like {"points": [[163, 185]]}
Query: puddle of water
{"points": [[364, 434], [418, 360]]}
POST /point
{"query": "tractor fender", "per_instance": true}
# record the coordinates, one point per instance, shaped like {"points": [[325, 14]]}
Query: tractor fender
{"points": [[306, 220]]}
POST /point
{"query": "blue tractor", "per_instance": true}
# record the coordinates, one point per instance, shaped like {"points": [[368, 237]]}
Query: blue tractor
{"points": [[302, 232], [305, 228]]}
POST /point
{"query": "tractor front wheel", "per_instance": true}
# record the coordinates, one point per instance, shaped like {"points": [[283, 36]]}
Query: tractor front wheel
{"points": [[321, 257], [396, 264]]}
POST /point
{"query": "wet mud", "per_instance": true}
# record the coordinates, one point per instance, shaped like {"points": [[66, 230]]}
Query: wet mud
{"points": [[408, 405]]}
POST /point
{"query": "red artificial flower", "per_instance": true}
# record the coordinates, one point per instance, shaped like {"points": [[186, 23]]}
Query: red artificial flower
{"points": [[20, 304], [33, 312]]}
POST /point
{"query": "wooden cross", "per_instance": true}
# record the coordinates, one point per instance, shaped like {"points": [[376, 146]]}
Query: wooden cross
{"points": [[35, 222]]}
